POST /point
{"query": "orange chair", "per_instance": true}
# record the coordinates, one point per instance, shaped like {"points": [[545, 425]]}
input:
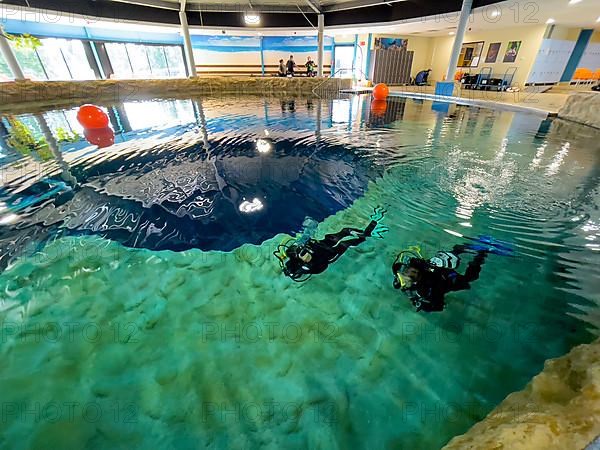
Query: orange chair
{"points": [[458, 75], [583, 75], [597, 75]]}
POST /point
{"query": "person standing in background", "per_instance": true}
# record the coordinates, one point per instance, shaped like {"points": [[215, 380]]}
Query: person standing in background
{"points": [[291, 65], [282, 70], [310, 68]]}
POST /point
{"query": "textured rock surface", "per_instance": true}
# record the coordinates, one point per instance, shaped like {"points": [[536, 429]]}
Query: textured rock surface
{"points": [[559, 409], [19, 92], [582, 107]]}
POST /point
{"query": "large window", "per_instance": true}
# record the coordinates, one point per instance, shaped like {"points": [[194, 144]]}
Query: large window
{"points": [[66, 59], [175, 60], [139, 60], [77, 61], [5, 72], [119, 60], [55, 59], [145, 61], [30, 63], [158, 61]]}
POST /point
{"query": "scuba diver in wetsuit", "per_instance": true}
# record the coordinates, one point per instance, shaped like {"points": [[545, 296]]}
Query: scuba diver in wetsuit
{"points": [[306, 256], [426, 282]]}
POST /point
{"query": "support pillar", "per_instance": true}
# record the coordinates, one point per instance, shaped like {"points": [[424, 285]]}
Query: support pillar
{"points": [[187, 42], [320, 30], [262, 56], [576, 55], [458, 40], [368, 64], [10, 57]]}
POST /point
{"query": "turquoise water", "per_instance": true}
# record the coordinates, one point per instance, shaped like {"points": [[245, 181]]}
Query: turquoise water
{"points": [[109, 340]]}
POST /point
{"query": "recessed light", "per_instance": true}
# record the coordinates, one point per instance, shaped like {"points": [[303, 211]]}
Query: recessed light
{"points": [[495, 13], [572, 2], [598, 19], [251, 18], [452, 33], [549, 21]]}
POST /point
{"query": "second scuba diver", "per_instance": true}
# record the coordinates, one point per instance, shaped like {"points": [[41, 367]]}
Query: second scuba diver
{"points": [[306, 256], [426, 282]]}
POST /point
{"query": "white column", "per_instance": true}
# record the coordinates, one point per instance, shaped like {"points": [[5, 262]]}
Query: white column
{"points": [[321, 26], [9, 55], [187, 42], [458, 40]]}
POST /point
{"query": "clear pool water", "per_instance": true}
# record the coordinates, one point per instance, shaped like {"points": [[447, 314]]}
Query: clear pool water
{"points": [[141, 306]]}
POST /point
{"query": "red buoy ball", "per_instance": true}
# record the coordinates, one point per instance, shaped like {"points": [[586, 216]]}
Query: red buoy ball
{"points": [[381, 91], [378, 107], [102, 137], [91, 116]]}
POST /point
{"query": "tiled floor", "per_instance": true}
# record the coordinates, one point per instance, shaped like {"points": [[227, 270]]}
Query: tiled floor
{"points": [[533, 98]]}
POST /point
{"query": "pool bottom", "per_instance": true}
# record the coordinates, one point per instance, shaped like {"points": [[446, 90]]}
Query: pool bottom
{"points": [[109, 346]]}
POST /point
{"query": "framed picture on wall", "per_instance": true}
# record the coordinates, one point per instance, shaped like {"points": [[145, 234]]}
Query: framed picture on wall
{"points": [[391, 44], [493, 52], [470, 53], [512, 51]]}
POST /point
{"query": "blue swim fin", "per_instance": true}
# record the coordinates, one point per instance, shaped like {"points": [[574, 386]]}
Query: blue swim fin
{"points": [[492, 245]]}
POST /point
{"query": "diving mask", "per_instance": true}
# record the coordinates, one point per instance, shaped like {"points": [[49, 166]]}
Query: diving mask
{"points": [[405, 281]]}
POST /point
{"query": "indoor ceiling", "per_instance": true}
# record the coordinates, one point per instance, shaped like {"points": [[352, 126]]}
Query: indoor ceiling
{"points": [[506, 14], [227, 13], [416, 17]]}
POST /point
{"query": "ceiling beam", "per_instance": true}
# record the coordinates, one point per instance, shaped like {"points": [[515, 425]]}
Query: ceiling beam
{"points": [[314, 6], [224, 7], [354, 4], [162, 4]]}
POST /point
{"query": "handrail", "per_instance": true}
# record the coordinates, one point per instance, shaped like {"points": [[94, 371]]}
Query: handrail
{"points": [[333, 76]]}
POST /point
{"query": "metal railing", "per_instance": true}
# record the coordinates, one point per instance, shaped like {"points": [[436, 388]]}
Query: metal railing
{"points": [[332, 76]]}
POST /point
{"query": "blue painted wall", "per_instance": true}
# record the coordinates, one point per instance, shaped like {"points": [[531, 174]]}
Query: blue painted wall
{"points": [[580, 46]]}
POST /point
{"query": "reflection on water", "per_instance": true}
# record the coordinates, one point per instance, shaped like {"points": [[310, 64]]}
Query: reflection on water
{"points": [[176, 181], [216, 174]]}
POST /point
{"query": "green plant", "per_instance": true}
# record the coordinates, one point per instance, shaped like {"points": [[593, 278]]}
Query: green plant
{"points": [[63, 135], [22, 140], [24, 41]]}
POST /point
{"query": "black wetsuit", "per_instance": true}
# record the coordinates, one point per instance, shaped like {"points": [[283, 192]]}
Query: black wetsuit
{"points": [[290, 65], [429, 292], [325, 251]]}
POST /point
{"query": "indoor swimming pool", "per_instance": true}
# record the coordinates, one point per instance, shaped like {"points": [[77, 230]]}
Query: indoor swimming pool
{"points": [[142, 306]]}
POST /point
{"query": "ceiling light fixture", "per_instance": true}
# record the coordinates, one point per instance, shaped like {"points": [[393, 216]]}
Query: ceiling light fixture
{"points": [[452, 33], [251, 18], [495, 13], [549, 21], [573, 2], [598, 19]]}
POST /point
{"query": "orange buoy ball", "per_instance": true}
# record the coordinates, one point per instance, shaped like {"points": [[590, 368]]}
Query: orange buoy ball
{"points": [[91, 116], [102, 137], [378, 107], [381, 91]]}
